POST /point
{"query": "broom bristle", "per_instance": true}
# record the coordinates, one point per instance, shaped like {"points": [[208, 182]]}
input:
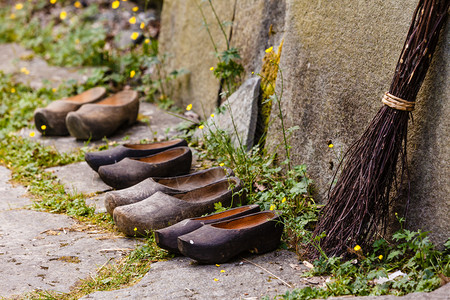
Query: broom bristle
{"points": [[358, 205]]}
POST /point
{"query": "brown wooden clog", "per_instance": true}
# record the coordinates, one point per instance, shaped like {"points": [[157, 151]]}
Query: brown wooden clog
{"points": [[130, 171], [169, 185], [166, 238], [219, 242], [51, 120], [104, 118], [111, 156], [161, 210]]}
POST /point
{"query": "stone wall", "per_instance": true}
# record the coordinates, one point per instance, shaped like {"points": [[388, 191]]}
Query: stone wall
{"points": [[338, 59], [186, 43], [257, 24]]}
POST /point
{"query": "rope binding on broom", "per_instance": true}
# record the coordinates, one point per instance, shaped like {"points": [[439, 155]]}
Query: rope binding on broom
{"points": [[397, 103]]}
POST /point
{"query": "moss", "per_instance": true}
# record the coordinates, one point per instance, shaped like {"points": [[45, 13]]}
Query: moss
{"points": [[269, 72], [70, 259]]}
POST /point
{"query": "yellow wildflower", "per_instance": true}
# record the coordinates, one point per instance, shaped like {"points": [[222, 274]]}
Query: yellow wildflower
{"points": [[135, 8], [52, 1], [132, 20], [217, 265], [215, 279], [63, 15], [77, 4], [132, 73], [380, 257], [268, 50], [357, 248], [189, 107], [142, 25], [24, 71], [211, 69], [147, 41], [18, 6], [115, 4], [222, 271], [135, 229], [53, 90], [272, 207], [201, 127], [32, 134], [221, 164], [43, 127], [13, 90], [134, 35], [284, 200], [330, 145], [212, 115], [12, 16]]}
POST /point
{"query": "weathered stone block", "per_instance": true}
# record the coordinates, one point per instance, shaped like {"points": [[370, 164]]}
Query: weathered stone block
{"points": [[240, 115]]}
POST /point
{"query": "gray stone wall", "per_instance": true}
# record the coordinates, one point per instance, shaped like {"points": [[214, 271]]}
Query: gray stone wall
{"points": [[187, 45], [257, 25], [429, 151], [338, 59]]}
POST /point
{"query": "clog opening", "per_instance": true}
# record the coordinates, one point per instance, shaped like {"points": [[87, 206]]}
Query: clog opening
{"points": [[209, 192], [165, 156], [88, 96], [194, 181], [152, 145], [247, 222], [226, 213], [120, 98]]}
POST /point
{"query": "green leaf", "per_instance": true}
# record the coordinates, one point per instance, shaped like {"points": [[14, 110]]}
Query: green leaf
{"points": [[394, 254], [299, 188]]}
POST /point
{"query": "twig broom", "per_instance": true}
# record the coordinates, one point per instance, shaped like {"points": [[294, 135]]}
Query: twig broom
{"points": [[358, 205]]}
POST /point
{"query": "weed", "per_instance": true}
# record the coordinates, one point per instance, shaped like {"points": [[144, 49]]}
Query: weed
{"points": [[413, 254], [265, 182]]}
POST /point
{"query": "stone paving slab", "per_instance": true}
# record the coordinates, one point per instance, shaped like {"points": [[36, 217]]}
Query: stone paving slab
{"points": [[181, 278], [11, 197], [241, 281], [46, 251], [42, 251], [160, 126], [14, 57], [79, 178]]}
